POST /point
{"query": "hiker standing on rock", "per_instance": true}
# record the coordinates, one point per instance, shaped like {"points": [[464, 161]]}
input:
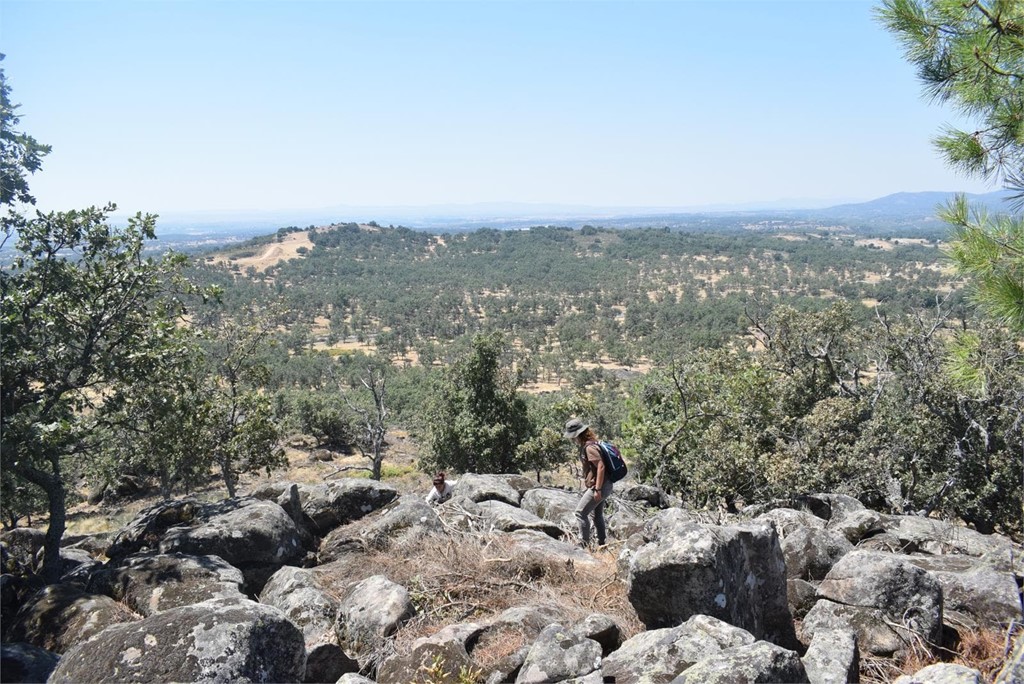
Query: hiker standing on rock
{"points": [[598, 486]]}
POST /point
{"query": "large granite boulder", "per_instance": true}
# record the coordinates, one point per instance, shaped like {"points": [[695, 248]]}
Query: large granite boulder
{"points": [[909, 598], [297, 593], [811, 552], [408, 516], [757, 662], [487, 488], [557, 655], [20, 662], [555, 505], [857, 525], [62, 615], [736, 574], [943, 673], [254, 535], [21, 547], [973, 589], [445, 654], [938, 537], [372, 610], [339, 502], [505, 518], [542, 551], [660, 655], [833, 657], [149, 583], [220, 640], [789, 520]]}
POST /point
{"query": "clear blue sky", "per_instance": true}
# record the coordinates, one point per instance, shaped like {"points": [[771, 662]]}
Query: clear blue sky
{"points": [[177, 106]]}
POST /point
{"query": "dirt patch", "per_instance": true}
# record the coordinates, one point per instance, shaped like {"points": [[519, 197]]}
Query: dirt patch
{"points": [[272, 254]]}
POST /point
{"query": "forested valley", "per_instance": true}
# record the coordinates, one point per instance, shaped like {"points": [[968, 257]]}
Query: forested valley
{"points": [[732, 366]]}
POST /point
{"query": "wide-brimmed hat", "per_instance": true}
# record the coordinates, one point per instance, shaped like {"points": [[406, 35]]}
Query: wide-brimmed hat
{"points": [[574, 427]]}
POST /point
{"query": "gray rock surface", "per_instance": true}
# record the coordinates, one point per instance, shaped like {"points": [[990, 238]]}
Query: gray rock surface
{"points": [[554, 505], [939, 537], [149, 583], [338, 502], [1013, 671], [801, 595], [811, 552], [62, 615], [943, 673], [254, 535], [660, 655], [539, 548], [602, 629], [297, 594], [443, 655], [972, 587], [371, 611], [908, 597], [20, 662], [856, 525], [559, 654], [876, 633], [487, 488], [832, 658], [736, 574], [757, 662], [789, 520], [215, 641], [506, 518]]}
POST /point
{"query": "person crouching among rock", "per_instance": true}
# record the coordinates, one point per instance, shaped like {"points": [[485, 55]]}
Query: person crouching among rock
{"points": [[441, 491], [598, 487]]}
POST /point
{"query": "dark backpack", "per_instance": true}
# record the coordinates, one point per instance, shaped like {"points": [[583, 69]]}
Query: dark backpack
{"points": [[614, 466]]}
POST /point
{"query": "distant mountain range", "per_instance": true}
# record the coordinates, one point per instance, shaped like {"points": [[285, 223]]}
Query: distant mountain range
{"points": [[900, 208]]}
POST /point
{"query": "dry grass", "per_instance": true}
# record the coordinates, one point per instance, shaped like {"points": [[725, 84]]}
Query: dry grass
{"points": [[465, 577], [982, 649]]}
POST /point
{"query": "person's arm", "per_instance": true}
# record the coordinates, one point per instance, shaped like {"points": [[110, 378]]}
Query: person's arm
{"points": [[594, 450], [432, 494]]}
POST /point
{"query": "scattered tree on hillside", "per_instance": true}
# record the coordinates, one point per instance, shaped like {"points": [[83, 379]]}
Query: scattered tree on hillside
{"points": [[84, 317], [370, 424], [476, 419], [241, 428]]}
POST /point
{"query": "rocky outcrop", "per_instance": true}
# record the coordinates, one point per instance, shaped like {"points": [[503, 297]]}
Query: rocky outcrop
{"points": [[372, 611], [21, 662], [216, 641], [736, 574], [506, 518], [149, 583], [559, 654], [61, 615], [487, 488], [718, 599], [660, 655], [297, 593], [891, 598], [253, 535]]}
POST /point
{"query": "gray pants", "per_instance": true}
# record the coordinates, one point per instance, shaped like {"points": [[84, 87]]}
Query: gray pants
{"points": [[586, 506]]}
